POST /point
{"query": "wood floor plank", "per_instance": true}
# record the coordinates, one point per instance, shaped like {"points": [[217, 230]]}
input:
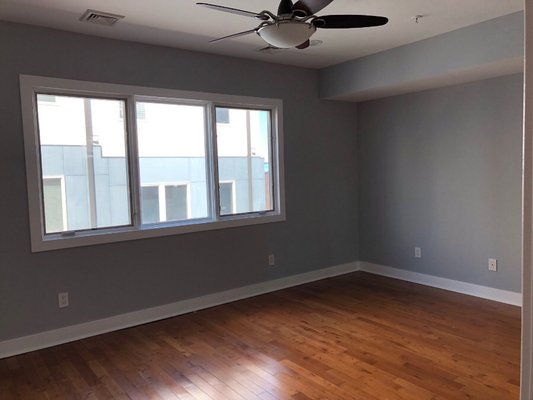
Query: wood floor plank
{"points": [[357, 336]]}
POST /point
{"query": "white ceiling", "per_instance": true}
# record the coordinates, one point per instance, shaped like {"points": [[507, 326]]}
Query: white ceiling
{"points": [[182, 24]]}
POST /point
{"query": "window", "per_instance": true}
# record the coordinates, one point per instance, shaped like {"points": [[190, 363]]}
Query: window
{"points": [[227, 198], [165, 202], [176, 204], [110, 163], [55, 209], [82, 140], [172, 148], [244, 154]]}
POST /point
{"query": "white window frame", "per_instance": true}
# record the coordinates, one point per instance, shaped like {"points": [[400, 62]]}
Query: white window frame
{"points": [[161, 193], [31, 85]]}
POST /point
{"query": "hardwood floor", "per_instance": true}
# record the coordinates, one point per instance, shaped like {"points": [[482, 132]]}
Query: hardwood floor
{"points": [[357, 336]]}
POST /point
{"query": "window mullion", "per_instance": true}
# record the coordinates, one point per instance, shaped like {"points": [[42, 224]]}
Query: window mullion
{"points": [[89, 153], [212, 161], [133, 162]]}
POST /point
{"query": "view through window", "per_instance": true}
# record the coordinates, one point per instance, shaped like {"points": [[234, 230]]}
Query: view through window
{"points": [[83, 141], [119, 166], [172, 148], [244, 159]]}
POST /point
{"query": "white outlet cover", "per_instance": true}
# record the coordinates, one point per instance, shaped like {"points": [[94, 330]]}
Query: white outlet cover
{"points": [[493, 264], [62, 300]]}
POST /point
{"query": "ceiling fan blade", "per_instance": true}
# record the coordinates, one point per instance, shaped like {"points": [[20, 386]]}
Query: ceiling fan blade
{"points": [[304, 45], [233, 35], [348, 21], [310, 7], [285, 7], [232, 10]]}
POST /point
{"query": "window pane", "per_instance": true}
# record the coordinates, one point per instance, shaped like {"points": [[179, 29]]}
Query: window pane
{"points": [[176, 202], [84, 141], [244, 157], [150, 204], [53, 205], [171, 141]]}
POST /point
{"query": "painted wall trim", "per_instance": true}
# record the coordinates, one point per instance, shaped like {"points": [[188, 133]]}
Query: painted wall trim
{"points": [[67, 334], [526, 373], [485, 292]]}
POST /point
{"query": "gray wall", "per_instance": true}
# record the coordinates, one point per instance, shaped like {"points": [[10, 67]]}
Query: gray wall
{"points": [[104, 280], [438, 169], [441, 169]]}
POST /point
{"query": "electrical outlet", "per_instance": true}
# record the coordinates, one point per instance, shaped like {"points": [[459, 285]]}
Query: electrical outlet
{"points": [[493, 264], [418, 252], [271, 260], [62, 300]]}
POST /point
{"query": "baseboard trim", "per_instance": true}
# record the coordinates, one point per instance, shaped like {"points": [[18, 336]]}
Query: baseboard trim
{"points": [[67, 334], [485, 292]]}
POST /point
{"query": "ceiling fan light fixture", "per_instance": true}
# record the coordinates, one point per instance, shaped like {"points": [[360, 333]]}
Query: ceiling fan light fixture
{"points": [[286, 34]]}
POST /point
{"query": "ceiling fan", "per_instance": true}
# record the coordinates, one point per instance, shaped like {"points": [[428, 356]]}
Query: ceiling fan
{"points": [[295, 23]]}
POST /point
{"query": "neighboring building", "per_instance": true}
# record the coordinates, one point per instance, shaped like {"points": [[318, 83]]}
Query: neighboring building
{"points": [[85, 172]]}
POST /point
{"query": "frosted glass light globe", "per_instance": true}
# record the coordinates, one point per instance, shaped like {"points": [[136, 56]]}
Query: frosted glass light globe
{"points": [[286, 34]]}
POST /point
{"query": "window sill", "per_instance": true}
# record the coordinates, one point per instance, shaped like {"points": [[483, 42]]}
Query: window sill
{"points": [[123, 234]]}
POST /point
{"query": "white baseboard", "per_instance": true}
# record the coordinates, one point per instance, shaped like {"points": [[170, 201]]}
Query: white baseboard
{"points": [[67, 334], [485, 292]]}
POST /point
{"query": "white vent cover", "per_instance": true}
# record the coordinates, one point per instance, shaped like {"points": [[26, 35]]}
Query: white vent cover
{"points": [[100, 17]]}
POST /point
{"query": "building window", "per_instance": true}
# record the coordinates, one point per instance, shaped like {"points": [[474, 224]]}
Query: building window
{"points": [[176, 203], [55, 207], [157, 167], [227, 198], [164, 202]]}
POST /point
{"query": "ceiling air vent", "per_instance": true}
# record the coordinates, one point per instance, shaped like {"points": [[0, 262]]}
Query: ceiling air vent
{"points": [[100, 17]]}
